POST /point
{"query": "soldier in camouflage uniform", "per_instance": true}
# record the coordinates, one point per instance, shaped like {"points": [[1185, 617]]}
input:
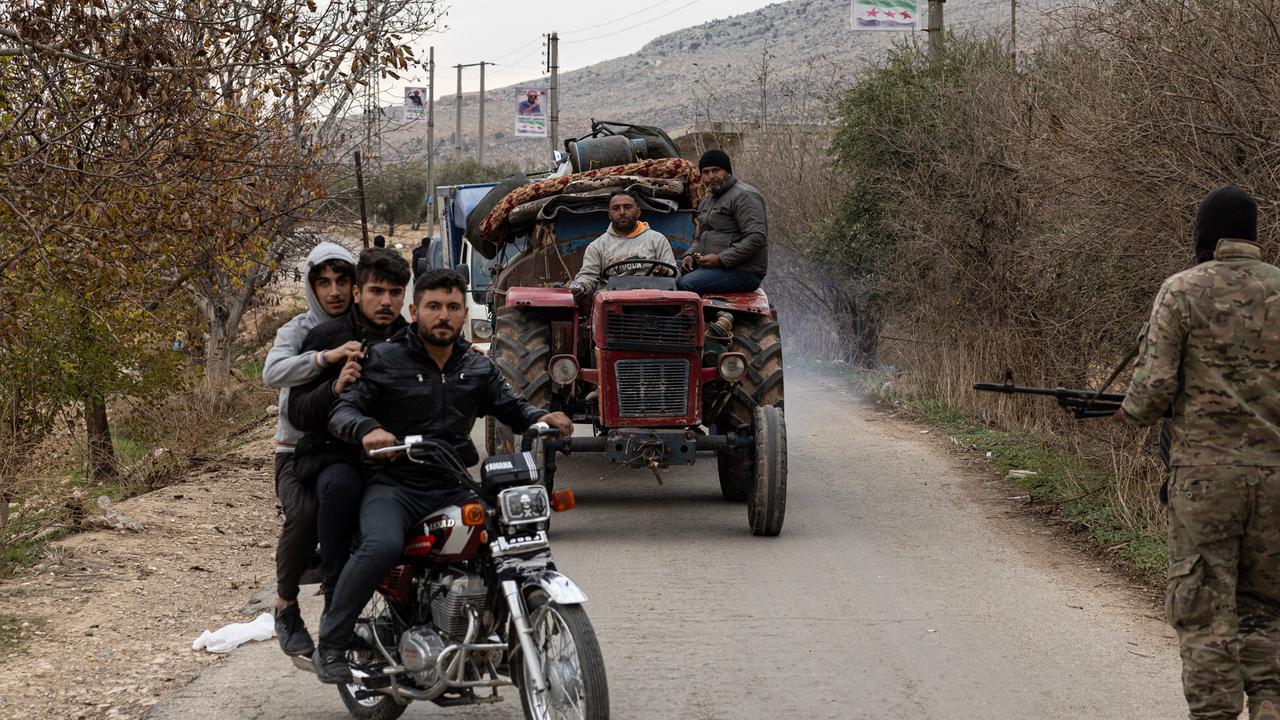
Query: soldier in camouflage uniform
{"points": [[1212, 351]]}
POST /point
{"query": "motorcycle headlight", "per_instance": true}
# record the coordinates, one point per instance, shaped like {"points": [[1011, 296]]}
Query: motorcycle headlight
{"points": [[481, 329], [524, 505]]}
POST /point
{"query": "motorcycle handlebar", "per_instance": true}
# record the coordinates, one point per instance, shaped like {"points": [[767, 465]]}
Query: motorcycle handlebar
{"points": [[536, 430]]}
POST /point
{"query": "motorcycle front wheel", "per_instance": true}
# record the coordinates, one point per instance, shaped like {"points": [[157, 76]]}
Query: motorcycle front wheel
{"points": [[571, 663], [375, 617]]}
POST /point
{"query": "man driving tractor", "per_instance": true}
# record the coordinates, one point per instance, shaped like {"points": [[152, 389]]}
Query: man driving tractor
{"points": [[626, 238]]}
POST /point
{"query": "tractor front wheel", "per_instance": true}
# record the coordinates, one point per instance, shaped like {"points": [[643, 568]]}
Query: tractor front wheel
{"points": [[767, 503]]}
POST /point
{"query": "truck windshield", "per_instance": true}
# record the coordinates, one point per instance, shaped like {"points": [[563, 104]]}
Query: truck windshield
{"points": [[482, 267]]}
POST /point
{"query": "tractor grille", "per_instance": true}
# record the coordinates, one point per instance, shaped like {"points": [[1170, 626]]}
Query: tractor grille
{"points": [[652, 388], [644, 332]]}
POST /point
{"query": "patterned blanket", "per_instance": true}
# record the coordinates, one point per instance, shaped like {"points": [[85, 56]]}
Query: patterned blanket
{"points": [[495, 228]]}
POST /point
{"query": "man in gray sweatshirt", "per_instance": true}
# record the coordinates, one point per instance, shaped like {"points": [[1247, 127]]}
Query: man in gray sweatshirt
{"points": [[627, 238], [330, 270]]}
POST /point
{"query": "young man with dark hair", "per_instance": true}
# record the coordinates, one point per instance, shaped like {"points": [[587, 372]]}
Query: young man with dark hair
{"points": [[626, 238], [380, 279], [423, 381], [329, 275]]}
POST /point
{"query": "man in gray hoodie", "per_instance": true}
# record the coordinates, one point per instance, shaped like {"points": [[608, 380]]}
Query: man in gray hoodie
{"points": [[330, 271], [626, 238]]}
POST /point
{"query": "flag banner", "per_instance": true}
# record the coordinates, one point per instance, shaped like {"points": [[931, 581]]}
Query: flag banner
{"points": [[415, 102], [531, 112], [883, 14]]}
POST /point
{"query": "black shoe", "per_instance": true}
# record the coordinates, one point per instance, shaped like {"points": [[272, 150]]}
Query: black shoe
{"points": [[331, 667], [292, 632]]}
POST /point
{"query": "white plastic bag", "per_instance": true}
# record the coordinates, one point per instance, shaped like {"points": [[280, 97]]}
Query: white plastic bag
{"points": [[226, 639]]}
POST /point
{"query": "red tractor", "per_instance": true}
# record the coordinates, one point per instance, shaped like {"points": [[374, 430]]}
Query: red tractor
{"points": [[660, 374]]}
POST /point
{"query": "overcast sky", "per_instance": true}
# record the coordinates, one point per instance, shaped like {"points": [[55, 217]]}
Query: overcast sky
{"points": [[509, 32]]}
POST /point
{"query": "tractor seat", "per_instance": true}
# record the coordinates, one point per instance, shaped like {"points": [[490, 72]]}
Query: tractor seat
{"points": [[641, 282]]}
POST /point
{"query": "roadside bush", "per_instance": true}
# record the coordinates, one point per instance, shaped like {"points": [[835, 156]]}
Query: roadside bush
{"points": [[1026, 215]]}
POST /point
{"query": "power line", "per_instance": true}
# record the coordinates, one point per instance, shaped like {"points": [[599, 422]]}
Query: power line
{"points": [[633, 27], [513, 52], [617, 19]]}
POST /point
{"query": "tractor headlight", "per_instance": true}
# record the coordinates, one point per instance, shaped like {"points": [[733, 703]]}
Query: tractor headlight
{"points": [[524, 505], [733, 366], [481, 329], [564, 369]]}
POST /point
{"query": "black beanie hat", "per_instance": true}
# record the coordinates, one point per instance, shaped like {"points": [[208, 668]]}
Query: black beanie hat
{"points": [[1227, 212], [715, 158]]}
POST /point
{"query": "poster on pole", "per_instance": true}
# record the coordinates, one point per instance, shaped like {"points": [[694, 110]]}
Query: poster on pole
{"points": [[883, 14], [531, 112], [415, 102]]}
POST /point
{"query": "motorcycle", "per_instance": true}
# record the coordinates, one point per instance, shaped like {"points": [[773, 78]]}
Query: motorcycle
{"points": [[476, 602]]}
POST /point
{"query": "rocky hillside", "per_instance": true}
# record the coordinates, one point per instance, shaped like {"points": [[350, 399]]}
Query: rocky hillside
{"points": [[804, 49]]}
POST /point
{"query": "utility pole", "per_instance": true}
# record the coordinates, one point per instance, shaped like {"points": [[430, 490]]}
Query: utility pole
{"points": [[457, 124], [935, 27], [431, 140], [1013, 31], [480, 144], [553, 93], [458, 134]]}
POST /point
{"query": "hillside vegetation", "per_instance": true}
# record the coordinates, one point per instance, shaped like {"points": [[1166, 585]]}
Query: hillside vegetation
{"points": [[708, 71]]}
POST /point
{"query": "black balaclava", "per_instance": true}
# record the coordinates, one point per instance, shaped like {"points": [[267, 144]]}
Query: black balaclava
{"points": [[1227, 212]]}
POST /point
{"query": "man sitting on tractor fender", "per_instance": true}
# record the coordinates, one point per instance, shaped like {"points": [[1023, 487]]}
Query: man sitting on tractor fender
{"points": [[626, 239], [421, 381], [730, 251]]}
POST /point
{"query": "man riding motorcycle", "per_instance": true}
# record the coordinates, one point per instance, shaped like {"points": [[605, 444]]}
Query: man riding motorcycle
{"points": [[422, 381]]}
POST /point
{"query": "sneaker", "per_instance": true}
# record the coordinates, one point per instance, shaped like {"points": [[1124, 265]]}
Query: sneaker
{"points": [[1266, 711], [292, 632], [331, 667]]}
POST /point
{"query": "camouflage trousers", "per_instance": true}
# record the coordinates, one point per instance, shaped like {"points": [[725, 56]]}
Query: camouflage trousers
{"points": [[1223, 597]]}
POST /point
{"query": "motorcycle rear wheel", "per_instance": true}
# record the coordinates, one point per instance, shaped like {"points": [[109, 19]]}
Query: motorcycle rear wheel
{"points": [[571, 663]]}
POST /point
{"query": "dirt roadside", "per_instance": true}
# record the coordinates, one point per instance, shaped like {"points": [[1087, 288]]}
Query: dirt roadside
{"points": [[107, 618]]}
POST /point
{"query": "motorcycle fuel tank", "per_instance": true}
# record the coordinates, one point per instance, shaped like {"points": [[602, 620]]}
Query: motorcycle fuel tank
{"points": [[454, 541]]}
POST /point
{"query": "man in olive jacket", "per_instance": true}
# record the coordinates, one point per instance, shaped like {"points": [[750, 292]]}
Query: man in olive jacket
{"points": [[1212, 351], [730, 251]]}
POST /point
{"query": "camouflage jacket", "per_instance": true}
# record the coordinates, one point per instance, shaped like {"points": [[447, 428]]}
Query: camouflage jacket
{"points": [[1212, 350]]}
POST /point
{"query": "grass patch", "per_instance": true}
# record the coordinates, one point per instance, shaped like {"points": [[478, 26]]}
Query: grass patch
{"points": [[1077, 491], [253, 370], [15, 633]]}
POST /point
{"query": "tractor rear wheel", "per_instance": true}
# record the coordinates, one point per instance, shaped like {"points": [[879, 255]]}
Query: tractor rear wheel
{"points": [[736, 468], [760, 340], [521, 350]]}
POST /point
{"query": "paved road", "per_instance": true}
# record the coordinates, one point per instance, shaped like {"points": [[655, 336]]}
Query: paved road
{"points": [[901, 587]]}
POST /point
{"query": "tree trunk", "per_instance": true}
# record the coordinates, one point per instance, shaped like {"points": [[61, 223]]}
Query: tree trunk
{"points": [[391, 229], [223, 321], [102, 456]]}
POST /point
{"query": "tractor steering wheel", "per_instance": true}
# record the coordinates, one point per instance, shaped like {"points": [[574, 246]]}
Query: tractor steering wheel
{"points": [[653, 265]]}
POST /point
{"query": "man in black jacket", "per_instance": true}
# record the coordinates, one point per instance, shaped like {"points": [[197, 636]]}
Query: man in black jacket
{"points": [[423, 381], [333, 465]]}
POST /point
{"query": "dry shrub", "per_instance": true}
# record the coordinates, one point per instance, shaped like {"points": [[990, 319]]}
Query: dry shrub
{"points": [[1029, 214]]}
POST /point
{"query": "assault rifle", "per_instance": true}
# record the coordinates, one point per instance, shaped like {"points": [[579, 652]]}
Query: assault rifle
{"points": [[1083, 404]]}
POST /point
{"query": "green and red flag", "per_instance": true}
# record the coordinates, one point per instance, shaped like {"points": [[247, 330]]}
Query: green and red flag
{"points": [[883, 14]]}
